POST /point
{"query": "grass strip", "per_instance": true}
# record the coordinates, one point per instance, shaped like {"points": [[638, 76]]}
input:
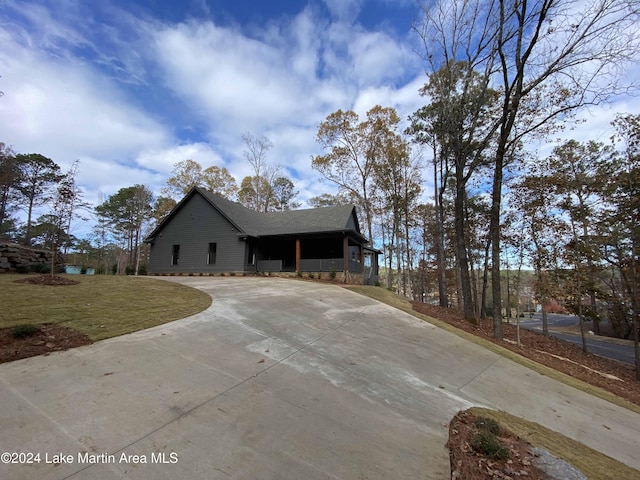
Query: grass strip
{"points": [[593, 464]]}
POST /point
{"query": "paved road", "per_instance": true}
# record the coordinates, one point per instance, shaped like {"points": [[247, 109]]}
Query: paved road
{"points": [[623, 351], [278, 379]]}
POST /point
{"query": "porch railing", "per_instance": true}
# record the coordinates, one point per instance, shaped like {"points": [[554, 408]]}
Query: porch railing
{"points": [[355, 267], [321, 264], [269, 265], [311, 265]]}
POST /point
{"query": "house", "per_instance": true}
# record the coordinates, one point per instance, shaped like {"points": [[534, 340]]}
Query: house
{"points": [[208, 234]]}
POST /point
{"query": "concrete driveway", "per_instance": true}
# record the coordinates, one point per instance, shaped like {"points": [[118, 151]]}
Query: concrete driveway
{"points": [[279, 379]]}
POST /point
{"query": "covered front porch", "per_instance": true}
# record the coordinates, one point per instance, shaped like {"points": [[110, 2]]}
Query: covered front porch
{"points": [[336, 254]]}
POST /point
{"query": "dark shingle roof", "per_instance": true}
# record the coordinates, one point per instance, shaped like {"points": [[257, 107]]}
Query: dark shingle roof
{"points": [[290, 222]]}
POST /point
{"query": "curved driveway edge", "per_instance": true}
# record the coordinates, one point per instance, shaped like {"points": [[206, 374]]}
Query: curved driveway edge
{"points": [[277, 379]]}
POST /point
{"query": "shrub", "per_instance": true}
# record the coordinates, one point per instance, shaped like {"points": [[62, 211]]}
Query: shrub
{"points": [[129, 270], [24, 330], [39, 268], [488, 444], [487, 425]]}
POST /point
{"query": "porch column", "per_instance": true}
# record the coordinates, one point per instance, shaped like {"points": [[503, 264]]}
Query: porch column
{"points": [[298, 254], [345, 252]]}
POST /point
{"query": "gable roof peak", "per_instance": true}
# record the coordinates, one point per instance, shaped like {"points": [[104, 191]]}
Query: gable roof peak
{"points": [[249, 222]]}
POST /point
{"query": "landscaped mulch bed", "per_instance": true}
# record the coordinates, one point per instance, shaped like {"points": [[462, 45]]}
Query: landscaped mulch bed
{"points": [[53, 280], [49, 338], [469, 464]]}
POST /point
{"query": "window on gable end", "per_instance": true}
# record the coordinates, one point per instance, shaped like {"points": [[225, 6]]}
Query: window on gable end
{"points": [[211, 257]]}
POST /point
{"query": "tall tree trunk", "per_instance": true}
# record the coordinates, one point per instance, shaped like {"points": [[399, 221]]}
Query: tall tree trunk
{"points": [[578, 273], [390, 265], [27, 234], [461, 249], [541, 281], [474, 286], [137, 251], [408, 268], [580, 311], [494, 234], [543, 301], [634, 304], [508, 306], [398, 254], [439, 233], [485, 280], [4, 200], [519, 284], [440, 256]]}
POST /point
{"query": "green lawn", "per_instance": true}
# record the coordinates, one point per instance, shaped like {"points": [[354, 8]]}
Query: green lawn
{"points": [[593, 464], [100, 306]]}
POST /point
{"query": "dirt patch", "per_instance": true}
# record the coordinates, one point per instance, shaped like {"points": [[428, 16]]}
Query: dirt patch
{"points": [[49, 338], [611, 375], [469, 464], [53, 280]]}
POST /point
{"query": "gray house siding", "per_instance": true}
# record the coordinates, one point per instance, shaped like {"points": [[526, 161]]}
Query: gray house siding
{"points": [[352, 224], [193, 228], [204, 225]]}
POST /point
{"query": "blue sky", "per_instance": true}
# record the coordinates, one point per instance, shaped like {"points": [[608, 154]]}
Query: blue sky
{"points": [[132, 87]]}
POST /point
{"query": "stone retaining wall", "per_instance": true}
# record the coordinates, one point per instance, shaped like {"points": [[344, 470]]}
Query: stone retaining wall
{"points": [[14, 257]]}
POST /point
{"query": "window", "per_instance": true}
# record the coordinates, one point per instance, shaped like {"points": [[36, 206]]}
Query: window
{"points": [[211, 258], [252, 255], [175, 255]]}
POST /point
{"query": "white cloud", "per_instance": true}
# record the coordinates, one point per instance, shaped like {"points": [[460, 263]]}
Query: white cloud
{"points": [[282, 81], [230, 79], [298, 72], [404, 99], [162, 160], [344, 10], [98, 177], [378, 58], [64, 109]]}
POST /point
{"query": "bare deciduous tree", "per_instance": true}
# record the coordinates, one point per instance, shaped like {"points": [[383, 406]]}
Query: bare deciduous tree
{"points": [[546, 59], [265, 174]]}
